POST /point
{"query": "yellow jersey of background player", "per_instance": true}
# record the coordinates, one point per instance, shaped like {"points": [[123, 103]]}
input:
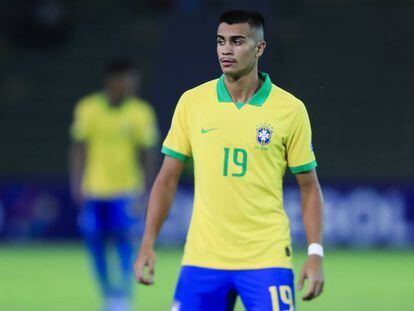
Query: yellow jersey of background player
{"points": [[114, 133]]}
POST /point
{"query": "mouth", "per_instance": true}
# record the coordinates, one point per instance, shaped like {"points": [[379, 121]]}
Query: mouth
{"points": [[227, 62]]}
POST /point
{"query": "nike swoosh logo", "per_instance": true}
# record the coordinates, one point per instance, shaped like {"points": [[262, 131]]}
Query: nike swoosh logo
{"points": [[204, 131]]}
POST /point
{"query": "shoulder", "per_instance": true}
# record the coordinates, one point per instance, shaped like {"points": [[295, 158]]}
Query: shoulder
{"points": [[140, 111], [91, 99], [138, 102], [285, 97], [286, 101], [139, 105], [202, 88], [205, 91], [89, 103]]}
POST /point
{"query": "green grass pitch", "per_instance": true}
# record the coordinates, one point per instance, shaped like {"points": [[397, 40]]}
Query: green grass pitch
{"points": [[58, 277]]}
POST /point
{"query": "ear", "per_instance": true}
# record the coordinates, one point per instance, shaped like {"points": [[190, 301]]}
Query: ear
{"points": [[261, 46]]}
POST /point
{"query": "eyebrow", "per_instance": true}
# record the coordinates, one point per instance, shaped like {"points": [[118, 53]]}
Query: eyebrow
{"points": [[232, 37]]}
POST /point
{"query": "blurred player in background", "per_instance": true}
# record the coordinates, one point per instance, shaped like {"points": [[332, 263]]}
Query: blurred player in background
{"points": [[112, 160], [241, 131]]}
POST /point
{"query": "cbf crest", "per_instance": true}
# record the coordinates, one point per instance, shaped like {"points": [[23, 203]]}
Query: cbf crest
{"points": [[264, 134]]}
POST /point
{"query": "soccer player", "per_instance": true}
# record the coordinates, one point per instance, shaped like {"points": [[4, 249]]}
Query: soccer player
{"points": [[114, 134], [241, 131]]}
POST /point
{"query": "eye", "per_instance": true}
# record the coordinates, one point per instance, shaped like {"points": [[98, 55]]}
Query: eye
{"points": [[220, 41], [238, 42]]}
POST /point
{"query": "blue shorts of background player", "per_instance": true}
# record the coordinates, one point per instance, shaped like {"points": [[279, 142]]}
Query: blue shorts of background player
{"points": [[111, 220], [205, 289]]}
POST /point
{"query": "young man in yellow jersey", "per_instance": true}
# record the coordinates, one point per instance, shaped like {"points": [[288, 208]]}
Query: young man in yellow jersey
{"points": [[242, 132], [114, 134]]}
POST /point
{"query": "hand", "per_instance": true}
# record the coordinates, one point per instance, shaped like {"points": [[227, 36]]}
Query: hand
{"points": [[146, 258], [312, 270]]}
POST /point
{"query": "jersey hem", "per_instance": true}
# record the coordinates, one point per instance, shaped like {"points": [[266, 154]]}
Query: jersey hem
{"points": [[174, 154], [90, 194], [303, 168], [221, 266]]}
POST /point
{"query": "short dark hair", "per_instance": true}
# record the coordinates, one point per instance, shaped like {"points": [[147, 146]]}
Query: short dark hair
{"points": [[118, 66], [253, 18]]}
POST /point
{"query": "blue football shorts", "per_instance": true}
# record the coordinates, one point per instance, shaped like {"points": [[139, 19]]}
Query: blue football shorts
{"points": [[107, 216], [205, 289]]}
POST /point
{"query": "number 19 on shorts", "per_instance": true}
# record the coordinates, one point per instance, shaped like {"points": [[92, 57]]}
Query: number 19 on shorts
{"points": [[284, 293], [237, 166]]}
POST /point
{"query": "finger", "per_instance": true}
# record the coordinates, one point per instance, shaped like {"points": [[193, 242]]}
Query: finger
{"points": [[319, 288], [148, 277], [302, 278], [151, 270], [311, 291], [144, 279], [308, 296], [139, 268]]}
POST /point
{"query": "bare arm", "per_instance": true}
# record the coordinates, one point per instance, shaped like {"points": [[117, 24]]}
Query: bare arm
{"points": [[312, 214], [160, 201], [311, 197], [149, 158], [77, 158]]}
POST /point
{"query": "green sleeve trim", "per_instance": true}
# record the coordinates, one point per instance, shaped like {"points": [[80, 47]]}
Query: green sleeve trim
{"points": [[303, 168], [174, 154]]}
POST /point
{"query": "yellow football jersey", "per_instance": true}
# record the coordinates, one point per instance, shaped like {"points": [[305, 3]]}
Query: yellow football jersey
{"points": [[240, 153], [112, 136]]}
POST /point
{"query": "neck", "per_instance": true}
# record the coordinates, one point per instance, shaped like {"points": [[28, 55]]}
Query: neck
{"points": [[243, 88], [113, 100]]}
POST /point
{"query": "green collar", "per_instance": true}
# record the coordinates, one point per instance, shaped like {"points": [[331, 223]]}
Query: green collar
{"points": [[258, 99]]}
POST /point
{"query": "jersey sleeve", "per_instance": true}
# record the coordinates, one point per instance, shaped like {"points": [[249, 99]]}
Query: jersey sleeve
{"points": [[146, 133], [300, 155], [81, 126], [177, 143]]}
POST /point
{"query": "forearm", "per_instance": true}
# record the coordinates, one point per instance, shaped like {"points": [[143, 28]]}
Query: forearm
{"points": [[312, 212], [160, 201], [150, 160], [76, 165]]}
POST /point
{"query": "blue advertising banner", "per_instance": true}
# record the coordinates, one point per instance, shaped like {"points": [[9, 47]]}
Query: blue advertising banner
{"points": [[355, 215]]}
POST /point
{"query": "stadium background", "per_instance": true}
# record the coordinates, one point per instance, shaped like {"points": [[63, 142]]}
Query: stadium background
{"points": [[350, 61]]}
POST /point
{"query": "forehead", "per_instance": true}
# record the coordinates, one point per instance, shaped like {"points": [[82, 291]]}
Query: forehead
{"points": [[242, 29]]}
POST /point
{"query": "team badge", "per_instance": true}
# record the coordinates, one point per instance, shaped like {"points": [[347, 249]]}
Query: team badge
{"points": [[264, 134]]}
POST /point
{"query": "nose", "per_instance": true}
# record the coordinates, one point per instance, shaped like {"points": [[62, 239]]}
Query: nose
{"points": [[226, 49]]}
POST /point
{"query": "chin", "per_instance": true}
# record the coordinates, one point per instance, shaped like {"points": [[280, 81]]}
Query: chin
{"points": [[229, 70]]}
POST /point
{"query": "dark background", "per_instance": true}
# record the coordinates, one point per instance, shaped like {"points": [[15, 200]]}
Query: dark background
{"points": [[351, 62]]}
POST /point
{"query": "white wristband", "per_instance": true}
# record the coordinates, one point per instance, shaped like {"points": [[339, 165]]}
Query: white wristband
{"points": [[315, 249]]}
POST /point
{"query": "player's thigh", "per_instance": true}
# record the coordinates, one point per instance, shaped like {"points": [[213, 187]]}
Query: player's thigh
{"points": [[88, 218], [203, 289], [269, 289], [121, 215]]}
